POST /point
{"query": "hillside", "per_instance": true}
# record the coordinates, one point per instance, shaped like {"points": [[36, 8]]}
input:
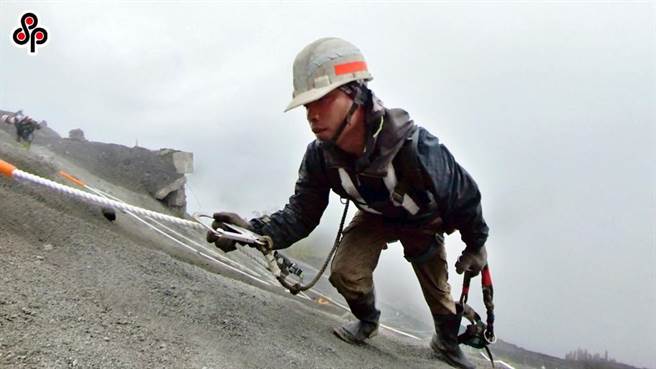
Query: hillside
{"points": [[80, 291]]}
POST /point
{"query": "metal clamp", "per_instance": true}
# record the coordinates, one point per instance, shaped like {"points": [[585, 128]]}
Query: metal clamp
{"points": [[246, 237], [489, 340]]}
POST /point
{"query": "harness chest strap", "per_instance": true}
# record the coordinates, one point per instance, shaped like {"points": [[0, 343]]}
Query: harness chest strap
{"points": [[350, 188], [399, 199], [390, 181], [408, 164]]}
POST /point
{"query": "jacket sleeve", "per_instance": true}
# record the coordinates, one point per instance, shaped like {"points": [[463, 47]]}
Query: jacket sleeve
{"points": [[456, 192], [305, 207]]}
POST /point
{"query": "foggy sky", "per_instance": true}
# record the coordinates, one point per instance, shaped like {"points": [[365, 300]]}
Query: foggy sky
{"points": [[550, 107]]}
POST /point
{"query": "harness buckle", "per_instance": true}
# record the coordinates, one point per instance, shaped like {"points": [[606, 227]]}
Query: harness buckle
{"points": [[397, 198]]}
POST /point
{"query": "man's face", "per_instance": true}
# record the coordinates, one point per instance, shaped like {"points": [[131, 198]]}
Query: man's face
{"points": [[327, 114]]}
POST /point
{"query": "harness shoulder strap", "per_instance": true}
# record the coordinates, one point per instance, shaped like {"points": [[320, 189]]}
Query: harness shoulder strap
{"points": [[408, 168]]}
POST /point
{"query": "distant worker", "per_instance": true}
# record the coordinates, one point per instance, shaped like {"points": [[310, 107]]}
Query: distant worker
{"points": [[406, 184], [25, 127]]}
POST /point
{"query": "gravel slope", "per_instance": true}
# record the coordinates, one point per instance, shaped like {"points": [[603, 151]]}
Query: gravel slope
{"points": [[79, 291]]}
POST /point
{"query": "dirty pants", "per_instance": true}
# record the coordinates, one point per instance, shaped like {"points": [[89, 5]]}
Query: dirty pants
{"points": [[363, 241]]}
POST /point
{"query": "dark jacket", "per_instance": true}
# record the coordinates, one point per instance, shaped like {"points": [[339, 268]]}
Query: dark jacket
{"points": [[447, 184]]}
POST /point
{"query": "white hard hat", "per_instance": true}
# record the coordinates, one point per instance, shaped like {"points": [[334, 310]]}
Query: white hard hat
{"points": [[324, 65]]}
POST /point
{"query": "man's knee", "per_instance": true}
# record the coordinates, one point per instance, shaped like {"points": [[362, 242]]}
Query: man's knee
{"points": [[443, 307], [350, 284]]}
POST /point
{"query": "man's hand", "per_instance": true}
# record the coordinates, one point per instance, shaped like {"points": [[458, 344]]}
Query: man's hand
{"points": [[220, 218], [472, 260]]}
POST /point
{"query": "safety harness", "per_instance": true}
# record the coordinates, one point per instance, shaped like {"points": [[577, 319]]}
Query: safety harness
{"points": [[409, 199]]}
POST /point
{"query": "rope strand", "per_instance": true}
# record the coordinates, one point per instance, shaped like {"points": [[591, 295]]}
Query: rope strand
{"points": [[98, 200]]}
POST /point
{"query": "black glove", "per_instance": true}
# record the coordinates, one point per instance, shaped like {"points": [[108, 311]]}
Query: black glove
{"points": [[220, 218], [472, 260]]}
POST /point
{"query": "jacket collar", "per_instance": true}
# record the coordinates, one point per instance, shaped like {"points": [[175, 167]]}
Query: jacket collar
{"points": [[390, 128]]}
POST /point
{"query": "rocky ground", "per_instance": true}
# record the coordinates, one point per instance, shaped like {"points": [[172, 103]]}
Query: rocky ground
{"points": [[79, 291]]}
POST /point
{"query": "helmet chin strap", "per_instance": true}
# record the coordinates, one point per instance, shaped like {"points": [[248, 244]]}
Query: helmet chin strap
{"points": [[359, 98], [373, 124], [345, 122]]}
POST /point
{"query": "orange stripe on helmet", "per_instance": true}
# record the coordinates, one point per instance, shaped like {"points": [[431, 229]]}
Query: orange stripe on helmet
{"points": [[352, 67]]}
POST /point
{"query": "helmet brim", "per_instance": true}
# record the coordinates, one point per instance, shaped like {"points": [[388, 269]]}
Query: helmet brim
{"points": [[310, 96], [319, 92]]}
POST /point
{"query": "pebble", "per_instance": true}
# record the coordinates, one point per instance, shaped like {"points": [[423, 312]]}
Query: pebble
{"points": [[48, 247], [39, 257], [106, 338]]}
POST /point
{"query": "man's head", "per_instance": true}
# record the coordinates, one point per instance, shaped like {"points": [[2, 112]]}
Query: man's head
{"points": [[329, 80], [331, 115]]}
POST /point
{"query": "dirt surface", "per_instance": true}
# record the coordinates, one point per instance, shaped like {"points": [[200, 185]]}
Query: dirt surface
{"points": [[79, 291]]}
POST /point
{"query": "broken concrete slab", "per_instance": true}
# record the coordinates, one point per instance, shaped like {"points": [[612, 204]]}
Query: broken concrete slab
{"points": [[166, 189], [76, 134], [183, 162]]}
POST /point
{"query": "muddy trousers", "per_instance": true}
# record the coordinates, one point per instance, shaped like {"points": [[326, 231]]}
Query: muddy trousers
{"points": [[367, 236]]}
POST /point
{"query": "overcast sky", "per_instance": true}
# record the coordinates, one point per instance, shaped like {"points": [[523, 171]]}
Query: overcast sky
{"points": [[550, 106]]}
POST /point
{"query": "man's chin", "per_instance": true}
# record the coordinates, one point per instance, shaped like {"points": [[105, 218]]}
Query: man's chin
{"points": [[322, 136]]}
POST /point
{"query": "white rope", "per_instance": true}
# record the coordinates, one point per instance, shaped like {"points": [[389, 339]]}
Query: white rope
{"points": [[132, 210], [98, 200], [221, 259], [105, 202]]}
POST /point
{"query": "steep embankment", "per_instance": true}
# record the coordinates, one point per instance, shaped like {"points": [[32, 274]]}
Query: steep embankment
{"points": [[79, 291]]}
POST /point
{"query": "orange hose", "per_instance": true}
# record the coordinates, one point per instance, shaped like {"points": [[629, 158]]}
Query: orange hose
{"points": [[6, 168], [72, 178]]}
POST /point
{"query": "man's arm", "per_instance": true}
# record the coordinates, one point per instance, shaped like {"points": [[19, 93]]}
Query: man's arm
{"points": [[303, 211], [455, 191]]}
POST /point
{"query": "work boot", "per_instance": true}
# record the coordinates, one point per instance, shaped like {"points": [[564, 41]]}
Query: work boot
{"points": [[445, 340], [357, 331]]}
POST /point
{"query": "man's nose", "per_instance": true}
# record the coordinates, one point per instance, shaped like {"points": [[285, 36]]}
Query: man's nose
{"points": [[312, 116]]}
